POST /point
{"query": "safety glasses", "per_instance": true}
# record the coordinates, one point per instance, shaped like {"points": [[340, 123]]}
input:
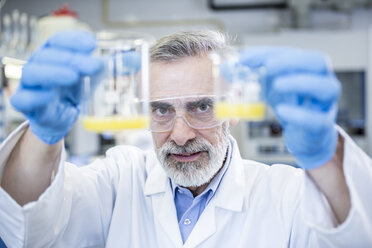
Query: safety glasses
{"points": [[198, 112]]}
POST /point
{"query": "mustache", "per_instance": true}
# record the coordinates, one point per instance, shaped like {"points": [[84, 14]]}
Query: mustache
{"points": [[191, 146]]}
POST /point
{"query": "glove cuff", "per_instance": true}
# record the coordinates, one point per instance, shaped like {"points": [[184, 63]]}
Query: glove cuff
{"points": [[46, 137], [325, 154]]}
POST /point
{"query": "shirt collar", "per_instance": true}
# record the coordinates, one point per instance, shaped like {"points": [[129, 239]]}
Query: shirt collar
{"points": [[213, 185]]}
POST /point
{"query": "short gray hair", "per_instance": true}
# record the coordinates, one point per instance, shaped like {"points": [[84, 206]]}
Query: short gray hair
{"points": [[180, 45]]}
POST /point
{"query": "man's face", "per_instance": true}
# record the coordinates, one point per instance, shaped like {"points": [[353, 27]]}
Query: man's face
{"points": [[191, 157]]}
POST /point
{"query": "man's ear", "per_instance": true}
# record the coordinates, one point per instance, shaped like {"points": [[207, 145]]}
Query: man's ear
{"points": [[233, 122]]}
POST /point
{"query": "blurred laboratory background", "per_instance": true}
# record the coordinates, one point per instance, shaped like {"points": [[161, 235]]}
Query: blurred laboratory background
{"points": [[340, 28]]}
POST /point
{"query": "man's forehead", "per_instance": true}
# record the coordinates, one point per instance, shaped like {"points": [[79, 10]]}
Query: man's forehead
{"points": [[183, 100], [189, 76]]}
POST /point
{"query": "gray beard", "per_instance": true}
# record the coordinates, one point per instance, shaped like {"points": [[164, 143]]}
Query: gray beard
{"points": [[201, 171]]}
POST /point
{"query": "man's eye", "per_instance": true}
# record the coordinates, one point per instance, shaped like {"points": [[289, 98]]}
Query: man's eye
{"points": [[161, 111], [203, 107]]}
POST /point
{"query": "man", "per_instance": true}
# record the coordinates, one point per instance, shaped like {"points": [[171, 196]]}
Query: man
{"points": [[195, 190]]}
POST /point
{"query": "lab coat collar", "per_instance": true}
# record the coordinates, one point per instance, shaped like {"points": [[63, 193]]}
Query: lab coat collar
{"points": [[158, 187], [230, 194], [157, 181]]}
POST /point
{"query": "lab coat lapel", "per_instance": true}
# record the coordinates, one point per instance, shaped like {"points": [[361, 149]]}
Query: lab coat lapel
{"points": [[231, 192], [158, 187], [229, 195], [204, 228]]}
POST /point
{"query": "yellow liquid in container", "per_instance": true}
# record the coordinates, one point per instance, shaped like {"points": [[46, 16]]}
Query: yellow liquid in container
{"points": [[114, 123], [247, 111]]}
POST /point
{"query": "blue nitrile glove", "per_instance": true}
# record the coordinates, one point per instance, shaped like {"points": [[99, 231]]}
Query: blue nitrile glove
{"points": [[303, 91], [131, 62], [50, 88]]}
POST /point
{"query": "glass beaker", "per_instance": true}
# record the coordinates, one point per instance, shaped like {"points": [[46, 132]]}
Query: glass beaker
{"points": [[118, 99], [239, 89]]}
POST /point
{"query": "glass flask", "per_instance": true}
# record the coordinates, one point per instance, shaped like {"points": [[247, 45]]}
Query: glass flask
{"points": [[118, 98], [239, 89]]}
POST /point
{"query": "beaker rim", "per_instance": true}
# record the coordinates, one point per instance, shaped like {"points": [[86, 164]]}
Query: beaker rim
{"points": [[112, 37]]}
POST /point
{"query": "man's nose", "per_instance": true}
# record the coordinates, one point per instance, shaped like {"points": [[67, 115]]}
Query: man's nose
{"points": [[182, 132]]}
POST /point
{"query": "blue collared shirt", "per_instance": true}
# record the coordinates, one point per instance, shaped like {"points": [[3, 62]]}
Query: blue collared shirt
{"points": [[189, 208]]}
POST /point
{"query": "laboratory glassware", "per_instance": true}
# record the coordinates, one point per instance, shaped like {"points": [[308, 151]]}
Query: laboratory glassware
{"points": [[15, 30], [239, 89], [117, 99], [6, 34]]}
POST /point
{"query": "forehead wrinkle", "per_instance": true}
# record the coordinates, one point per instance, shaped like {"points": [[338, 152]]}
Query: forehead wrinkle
{"points": [[191, 75]]}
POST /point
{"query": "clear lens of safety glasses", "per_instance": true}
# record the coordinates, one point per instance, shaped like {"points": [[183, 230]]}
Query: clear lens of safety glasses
{"points": [[197, 111]]}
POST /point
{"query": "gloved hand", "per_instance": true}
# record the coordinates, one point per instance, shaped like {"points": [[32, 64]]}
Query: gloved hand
{"points": [[50, 88], [303, 91]]}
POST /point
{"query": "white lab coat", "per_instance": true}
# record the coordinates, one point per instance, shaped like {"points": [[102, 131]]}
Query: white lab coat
{"points": [[125, 200]]}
